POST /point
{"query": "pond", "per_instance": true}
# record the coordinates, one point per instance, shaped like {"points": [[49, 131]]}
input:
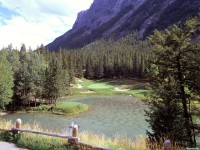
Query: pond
{"points": [[107, 114]]}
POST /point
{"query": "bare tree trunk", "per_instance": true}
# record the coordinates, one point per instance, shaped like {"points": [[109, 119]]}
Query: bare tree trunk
{"points": [[186, 114], [35, 101]]}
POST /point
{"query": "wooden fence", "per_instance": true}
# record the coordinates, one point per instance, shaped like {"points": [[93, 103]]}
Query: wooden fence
{"points": [[72, 140]]}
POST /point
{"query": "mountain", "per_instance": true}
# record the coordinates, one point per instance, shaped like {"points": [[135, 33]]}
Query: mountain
{"points": [[117, 18]]}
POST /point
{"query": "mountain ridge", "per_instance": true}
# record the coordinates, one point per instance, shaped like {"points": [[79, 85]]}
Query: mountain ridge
{"points": [[119, 18]]}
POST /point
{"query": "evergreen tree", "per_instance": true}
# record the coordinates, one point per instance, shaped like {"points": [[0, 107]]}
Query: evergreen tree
{"points": [[55, 84], [6, 81], [165, 112], [174, 51], [21, 88], [90, 67], [28, 76], [36, 69]]}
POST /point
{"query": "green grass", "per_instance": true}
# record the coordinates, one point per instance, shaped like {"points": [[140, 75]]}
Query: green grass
{"points": [[69, 108], [100, 85], [66, 105], [36, 142], [62, 108], [108, 87], [33, 141]]}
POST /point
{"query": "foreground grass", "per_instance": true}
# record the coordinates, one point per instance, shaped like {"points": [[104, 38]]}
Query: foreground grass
{"points": [[32, 141], [41, 142], [133, 87], [62, 108]]}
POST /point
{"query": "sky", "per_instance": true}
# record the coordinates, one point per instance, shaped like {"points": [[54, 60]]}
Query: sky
{"points": [[36, 22]]}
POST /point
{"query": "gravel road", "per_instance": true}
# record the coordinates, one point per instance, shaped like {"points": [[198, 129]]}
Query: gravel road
{"points": [[9, 146]]}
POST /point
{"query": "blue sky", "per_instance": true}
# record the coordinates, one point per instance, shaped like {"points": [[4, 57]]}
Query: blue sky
{"points": [[36, 22]]}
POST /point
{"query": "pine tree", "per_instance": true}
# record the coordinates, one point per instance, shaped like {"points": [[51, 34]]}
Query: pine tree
{"points": [[165, 112], [56, 80], [174, 51], [21, 88], [90, 67], [6, 81]]}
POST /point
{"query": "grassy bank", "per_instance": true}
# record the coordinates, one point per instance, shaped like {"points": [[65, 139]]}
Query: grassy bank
{"points": [[41, 142], [133, 87], [32, 141], [62, 108]]}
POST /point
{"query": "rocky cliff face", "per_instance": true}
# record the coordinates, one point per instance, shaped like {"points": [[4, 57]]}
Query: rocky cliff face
{"points": [[121, 17], [102, 11]]}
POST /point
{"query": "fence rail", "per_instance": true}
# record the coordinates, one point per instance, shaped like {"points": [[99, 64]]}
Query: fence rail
{"points": [[71, 139]]}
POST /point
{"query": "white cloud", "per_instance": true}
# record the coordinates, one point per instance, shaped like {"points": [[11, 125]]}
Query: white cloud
{"points": [[34, 22]]}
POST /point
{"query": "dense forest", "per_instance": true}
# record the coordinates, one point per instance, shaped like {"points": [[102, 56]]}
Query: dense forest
{"points": [[28, 77]]}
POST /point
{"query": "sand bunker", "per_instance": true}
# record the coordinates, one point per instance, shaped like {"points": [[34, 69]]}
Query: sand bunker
{"points": [[80, 81], [121, 90], [79, 86]]}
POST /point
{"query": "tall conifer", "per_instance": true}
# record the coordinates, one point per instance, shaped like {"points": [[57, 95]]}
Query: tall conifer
{"points": [[174, 51]]}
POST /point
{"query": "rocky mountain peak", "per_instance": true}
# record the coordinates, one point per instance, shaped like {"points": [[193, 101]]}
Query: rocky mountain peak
{"points": [[121, 17], [103, 10]]}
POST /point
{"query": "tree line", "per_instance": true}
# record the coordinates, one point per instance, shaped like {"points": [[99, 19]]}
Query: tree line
{"points": [[31, 76]]}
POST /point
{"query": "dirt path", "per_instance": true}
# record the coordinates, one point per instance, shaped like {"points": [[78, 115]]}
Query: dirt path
{"points": [[9, 146]]}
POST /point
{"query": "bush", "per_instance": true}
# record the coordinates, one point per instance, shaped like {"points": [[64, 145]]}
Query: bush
{"points": [[41, 108], [9, 136]]}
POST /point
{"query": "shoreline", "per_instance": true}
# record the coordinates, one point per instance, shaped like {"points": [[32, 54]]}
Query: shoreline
{"points": [[71, 111]]}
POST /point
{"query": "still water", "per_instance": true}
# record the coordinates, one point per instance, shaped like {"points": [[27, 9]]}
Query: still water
{"points": [[107, 114]]}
